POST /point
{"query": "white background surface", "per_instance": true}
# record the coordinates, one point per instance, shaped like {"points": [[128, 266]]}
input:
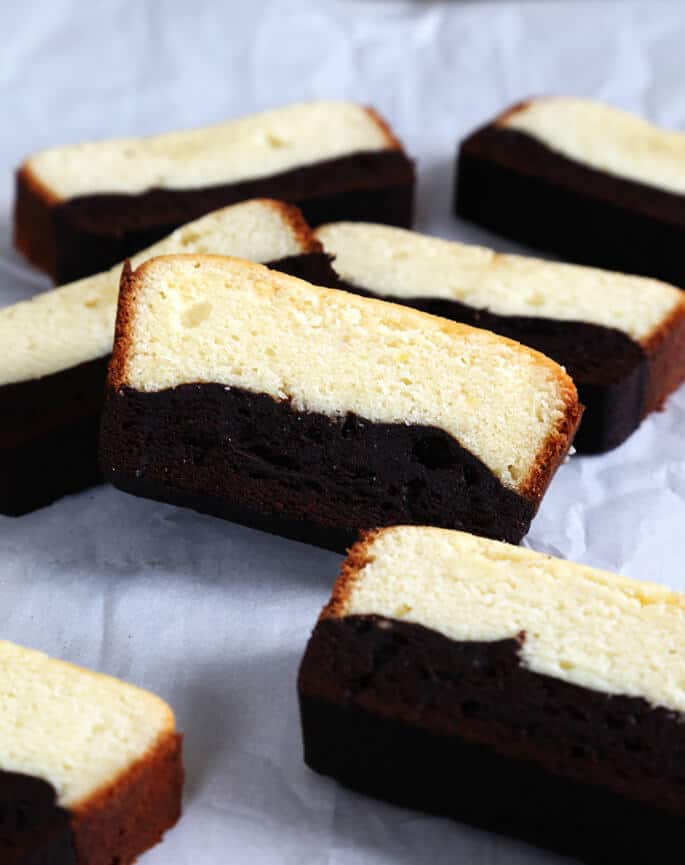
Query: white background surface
{"points": [[215, 617]]}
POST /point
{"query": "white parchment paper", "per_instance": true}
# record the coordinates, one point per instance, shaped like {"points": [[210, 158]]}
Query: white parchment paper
{"points": [[212, 616]]}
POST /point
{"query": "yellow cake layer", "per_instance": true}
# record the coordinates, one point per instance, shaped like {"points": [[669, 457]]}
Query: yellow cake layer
{"points": [[247, 148]]}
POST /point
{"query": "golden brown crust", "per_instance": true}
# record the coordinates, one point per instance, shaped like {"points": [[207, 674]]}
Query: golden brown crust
{"points": [[34, 231], [129, 816], [391, 139], [31, 178], [502, 118], [293, 218], [358, 556], [557, 445], [665, 350], [128, 286]]}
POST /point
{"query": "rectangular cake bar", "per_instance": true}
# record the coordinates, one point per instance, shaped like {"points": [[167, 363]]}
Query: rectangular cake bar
{"points": [[582, 180], [261, 398], [505, 688], [82, 208], [621, 338], [54, 351], [91, 771]]}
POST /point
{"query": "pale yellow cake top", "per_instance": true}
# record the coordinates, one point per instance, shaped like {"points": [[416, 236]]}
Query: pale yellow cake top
{"points": [[246, 148]]}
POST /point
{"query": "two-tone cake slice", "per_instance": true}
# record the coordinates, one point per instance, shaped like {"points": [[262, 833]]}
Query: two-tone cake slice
{"points": [[313, 413], [522, 693], [54, 350], [621, 338], [80, 209], [586, 181], [90, 767]]}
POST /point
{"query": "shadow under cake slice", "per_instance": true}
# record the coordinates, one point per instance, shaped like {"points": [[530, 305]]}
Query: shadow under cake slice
{"points": [[90, 767], [621, 338], [54, 350], [586, 181], [498, 686], [313, 413], [79, 209]]}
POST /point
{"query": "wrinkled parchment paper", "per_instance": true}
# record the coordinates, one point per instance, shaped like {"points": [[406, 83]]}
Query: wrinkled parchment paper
{"points": [[212, 616]]}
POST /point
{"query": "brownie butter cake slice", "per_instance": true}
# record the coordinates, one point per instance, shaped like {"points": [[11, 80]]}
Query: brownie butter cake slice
{"points": [[581, 179], [90, 767], [309, 412], [496, 685], [80, 209], [621, 338], [54, 350]]}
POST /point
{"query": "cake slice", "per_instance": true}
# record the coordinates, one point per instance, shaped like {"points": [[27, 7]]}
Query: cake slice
{"points": [[79, 209], [580, 179], [621, 338], [90, 767], [54, 351], [519, 692], [313, 413]]}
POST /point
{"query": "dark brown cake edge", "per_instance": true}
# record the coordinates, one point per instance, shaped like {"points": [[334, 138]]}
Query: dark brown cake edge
{"points": [[515, 185], [402, 713], [304, 531], [34, 230], [349, 745], [665, 349], [131, 815]]}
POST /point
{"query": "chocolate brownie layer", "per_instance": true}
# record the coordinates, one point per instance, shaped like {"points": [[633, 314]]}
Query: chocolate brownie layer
{"points": [[312, 266], [90, 233], [402, 712], [248, 457], [51, 424], [48, 440], [514, 184], [34, 830], [609, 369]]}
